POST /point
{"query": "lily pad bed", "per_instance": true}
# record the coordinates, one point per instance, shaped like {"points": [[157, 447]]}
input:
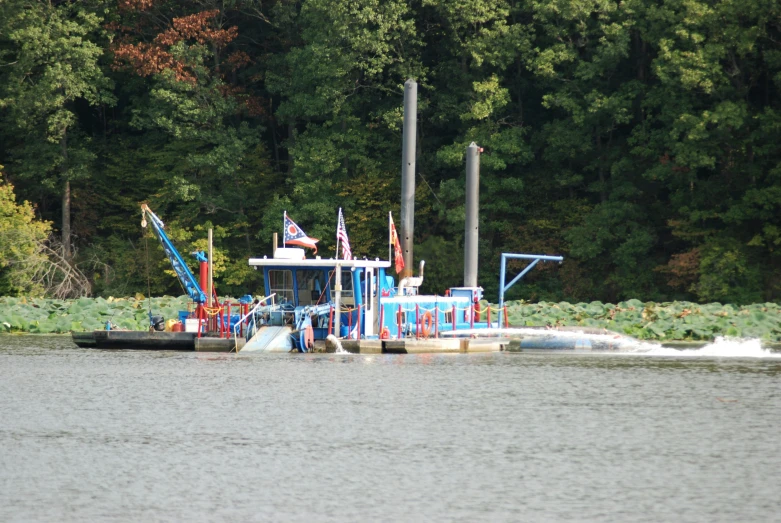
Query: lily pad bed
{"points": [[648, 321], [45, 316], [679, 320]]}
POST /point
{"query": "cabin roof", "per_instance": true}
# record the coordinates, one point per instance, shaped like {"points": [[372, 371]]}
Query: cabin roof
{"points": [[316, 263]]}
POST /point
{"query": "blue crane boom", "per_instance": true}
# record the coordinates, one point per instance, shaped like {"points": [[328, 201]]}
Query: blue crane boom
{"points": [[186, 276]]}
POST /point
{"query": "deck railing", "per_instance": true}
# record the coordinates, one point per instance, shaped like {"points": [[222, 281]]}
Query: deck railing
{"points": [[250, 314]]}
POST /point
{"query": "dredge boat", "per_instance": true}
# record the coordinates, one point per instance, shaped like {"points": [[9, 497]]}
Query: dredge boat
{"points": [[309, 300]]}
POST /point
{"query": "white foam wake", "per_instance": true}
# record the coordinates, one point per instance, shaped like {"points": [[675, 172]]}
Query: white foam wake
{"points": [[720, 348], [337, 344]]}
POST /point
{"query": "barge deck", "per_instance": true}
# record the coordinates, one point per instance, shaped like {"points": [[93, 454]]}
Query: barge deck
{"points": [[140, 340]]}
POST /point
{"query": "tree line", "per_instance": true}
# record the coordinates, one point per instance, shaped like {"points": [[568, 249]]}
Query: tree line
{"points": [[636, 138]]}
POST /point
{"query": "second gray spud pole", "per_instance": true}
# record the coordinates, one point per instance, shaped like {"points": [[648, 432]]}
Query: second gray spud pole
{"points": [[409, 142]]}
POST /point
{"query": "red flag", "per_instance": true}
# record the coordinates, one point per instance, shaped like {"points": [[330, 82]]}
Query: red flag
{"points": [[394, 241]]}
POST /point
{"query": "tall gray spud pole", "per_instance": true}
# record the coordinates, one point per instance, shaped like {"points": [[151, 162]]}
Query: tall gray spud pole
{"points": [[472, 214], [409, 141]]}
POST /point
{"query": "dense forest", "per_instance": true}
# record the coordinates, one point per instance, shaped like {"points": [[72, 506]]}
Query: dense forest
{"points": [[638, 139]]}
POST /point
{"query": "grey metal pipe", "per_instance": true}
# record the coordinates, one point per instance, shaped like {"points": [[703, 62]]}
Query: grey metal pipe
{"points": [[472, 214], [338, 300], [409, 142]]}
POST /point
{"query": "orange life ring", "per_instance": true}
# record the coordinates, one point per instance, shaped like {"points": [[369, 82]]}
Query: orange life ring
{"points": [[426, 322], [309, 337], [385, 333]]}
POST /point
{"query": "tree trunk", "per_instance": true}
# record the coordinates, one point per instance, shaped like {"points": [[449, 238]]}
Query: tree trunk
{"points": [[291, 137], [519, 80], [346, 158], [273, 122], [66, 200], [601, 168], [640, 50]]}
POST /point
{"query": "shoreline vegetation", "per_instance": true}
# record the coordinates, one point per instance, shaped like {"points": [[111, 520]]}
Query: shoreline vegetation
{"points": [[639, 140], [665, 322]]}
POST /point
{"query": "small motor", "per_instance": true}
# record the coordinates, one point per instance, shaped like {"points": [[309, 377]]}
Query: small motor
{"points": [[158, 322]]}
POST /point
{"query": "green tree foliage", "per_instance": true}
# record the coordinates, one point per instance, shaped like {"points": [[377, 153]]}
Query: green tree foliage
{"points": [[54, 67], [21, 235], [339, 87], [638, 139]]}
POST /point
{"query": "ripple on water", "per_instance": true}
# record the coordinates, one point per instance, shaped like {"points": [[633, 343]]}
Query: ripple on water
{"points": [[117, 436]]}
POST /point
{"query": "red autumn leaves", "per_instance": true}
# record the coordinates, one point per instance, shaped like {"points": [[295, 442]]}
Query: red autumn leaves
{"points": [[152, 58]]}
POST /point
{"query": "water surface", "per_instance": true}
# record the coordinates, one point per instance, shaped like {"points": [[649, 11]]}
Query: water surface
{"points": [[90, 435]]}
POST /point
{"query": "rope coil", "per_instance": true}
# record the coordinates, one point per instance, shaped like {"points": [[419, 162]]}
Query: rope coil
{"points": [[212, 311]]}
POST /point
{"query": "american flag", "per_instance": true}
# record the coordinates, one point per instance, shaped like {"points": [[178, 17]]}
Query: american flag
{"points": [[341, 236]]}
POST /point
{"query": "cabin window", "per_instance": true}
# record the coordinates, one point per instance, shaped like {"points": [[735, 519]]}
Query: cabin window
{"points": [[311, 287], [448, 317], [281, 282], [348, 298]]}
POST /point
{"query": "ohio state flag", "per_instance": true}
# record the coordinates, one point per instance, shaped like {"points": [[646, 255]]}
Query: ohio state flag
{"points": [[295, 236]]}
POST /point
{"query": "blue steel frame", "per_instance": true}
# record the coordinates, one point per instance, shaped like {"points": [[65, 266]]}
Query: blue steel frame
{"points": [[503, 288], [189, 282]]}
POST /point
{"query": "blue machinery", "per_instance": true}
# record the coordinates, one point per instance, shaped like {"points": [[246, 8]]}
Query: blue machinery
{"points": [[187, 278], [305, 290], [503, 270]]}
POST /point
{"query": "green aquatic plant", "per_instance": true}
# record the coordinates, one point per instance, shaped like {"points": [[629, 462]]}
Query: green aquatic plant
{"points": [[649, 321], [43, 316], [655, 321]]}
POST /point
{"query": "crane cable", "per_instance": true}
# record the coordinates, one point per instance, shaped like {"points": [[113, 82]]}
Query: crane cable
{"points": [[148, 281], [148, 278]]}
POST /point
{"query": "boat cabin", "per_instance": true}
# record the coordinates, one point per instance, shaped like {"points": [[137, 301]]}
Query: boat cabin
{"points": [[300, 282], [371, 305]]}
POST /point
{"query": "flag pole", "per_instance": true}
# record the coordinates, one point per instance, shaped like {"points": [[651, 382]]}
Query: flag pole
{"points": [[338, 223], [390, 237], [284, 227]]}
